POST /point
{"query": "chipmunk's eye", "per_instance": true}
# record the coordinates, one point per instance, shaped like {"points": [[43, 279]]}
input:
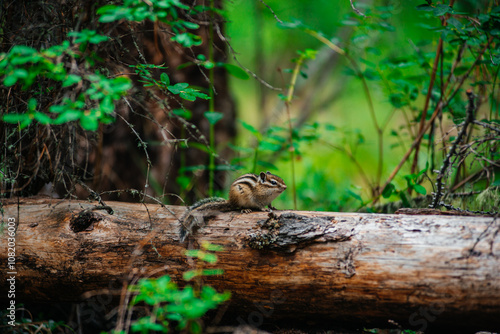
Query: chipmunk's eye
{"points": [[273, 182]]}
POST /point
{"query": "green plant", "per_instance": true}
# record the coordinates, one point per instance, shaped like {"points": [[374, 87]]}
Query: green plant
{"points": [[412, 183], [417, 83], [166, 11], [182, 89], [26, 66], [171, 305]]}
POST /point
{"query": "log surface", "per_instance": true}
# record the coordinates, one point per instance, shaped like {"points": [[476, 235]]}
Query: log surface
{"points": [[290, 266]]}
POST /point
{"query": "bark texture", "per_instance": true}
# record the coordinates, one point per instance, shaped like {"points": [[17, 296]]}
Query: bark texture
{"points": [[308, 267]]}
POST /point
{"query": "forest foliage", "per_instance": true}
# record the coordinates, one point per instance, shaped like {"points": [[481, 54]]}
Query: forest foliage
{"points": [[352, 103], [367, 111]]}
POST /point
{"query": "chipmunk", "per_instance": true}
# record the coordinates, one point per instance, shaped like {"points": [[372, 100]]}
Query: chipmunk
{"points": [[248, 192]]}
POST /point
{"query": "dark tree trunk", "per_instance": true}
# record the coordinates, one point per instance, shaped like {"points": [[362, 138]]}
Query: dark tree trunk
{"points": [[144, 144]]}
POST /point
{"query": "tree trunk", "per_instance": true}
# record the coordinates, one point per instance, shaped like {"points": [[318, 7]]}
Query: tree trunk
{"points": [[294, 266]]}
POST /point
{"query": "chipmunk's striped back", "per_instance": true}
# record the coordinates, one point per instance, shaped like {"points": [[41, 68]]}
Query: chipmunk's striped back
{"points": [[249, 191], [249, 179]]}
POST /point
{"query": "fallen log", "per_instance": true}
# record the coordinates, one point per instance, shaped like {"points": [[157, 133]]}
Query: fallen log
{"points": [[317, 267]]}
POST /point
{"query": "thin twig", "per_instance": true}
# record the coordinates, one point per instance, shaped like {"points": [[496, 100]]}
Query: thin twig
{"points": [[356, 10], [272, 11], [486, 213], [471, 108], [233, 52], [486, 125]]}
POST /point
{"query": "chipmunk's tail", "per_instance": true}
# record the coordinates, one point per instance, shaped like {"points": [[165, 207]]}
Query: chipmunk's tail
{"points": [[195, 215]]}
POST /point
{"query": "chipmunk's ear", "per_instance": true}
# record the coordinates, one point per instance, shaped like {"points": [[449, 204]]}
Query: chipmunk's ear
{"points": [[268, 172], [262, 177]]}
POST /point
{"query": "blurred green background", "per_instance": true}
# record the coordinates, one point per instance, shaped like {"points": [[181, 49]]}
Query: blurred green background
{"points": [[338, 159]]}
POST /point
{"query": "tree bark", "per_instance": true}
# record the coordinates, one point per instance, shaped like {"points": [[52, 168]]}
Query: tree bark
{"points": [[287, 266]]}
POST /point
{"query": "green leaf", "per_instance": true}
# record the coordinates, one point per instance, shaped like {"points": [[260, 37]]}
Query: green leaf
{"points": [[42, 118], [112, 13], [178, 87], [146, 324], [212, 272], [68, 116], [330, 127], [211, 247], [404, 199], [208, 257], [265, 145], [20, 73], [349, 23], [190, 274], [425, 8], [388, 190], [252, 130], [267, 165], [89, 122], [442, 9], [121, 84], [187, 40], [236, 71], [10, 80], [87, 35], [455, 23], [183, 181], [186, 114], [420, 189], [371, 74], [193, 252], [190, 25], [32, 103], [23, 50], [165, 79], [354, 195], [187, 96], [195, 327], [208, 65], [202, 148], [71, 79], [15, 118], [386, 26], [291, 25], [397, 100], [213, 116]]}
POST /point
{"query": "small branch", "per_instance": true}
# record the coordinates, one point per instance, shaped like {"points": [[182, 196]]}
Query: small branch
{"points": [[486, 125], [352, 158], [97, 197], [471, 108], [233, 53], [272, 11], [356, 10], [484, 213]]}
